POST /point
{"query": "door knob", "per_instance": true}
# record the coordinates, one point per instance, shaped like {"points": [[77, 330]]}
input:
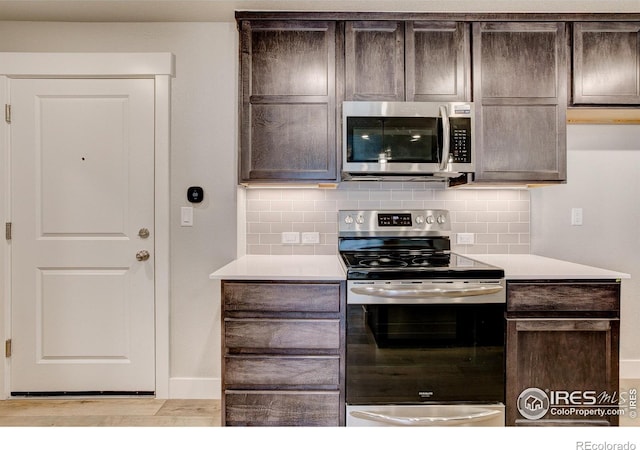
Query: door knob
{"points": [[142, 255]]}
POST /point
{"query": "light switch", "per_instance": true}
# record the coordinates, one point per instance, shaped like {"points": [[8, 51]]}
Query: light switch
{"points": [[186, 216], [576, 216]]}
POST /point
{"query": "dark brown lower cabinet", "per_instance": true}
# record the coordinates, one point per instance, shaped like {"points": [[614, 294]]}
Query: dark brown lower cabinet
{"points": [[283, 353], [562, 356], [281, 408]]}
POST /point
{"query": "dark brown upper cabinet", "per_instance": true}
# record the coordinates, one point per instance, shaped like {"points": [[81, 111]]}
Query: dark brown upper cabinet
{"points": [[374, 61], [520, 92], [606, 63], [407, 61], [438, 61], [288, 96]]}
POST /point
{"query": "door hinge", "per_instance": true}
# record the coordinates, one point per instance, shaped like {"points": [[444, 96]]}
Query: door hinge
{"points": [[7, 113], [7, 348], [7, 231]]}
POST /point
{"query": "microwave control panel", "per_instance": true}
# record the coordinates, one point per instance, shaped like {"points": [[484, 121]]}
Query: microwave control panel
{"points": [[460, 139]]}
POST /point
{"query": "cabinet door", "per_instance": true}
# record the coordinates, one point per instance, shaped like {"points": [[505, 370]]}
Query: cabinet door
{"points": [[278, 371], [288, 101], [520, 89], [438, 61], [606, 63], [374, 61], [281, 297], [281, 408], [558, 356], [274, 335]]}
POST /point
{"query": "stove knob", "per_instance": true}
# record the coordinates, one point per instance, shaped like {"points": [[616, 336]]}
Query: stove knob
{"points": [[419, 220], [430, 219], [360, 220], [442, 220], [348, 220]]}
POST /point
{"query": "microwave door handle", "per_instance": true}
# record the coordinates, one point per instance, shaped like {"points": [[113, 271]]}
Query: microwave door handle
{"points": [[481, 415], [446, 133]]}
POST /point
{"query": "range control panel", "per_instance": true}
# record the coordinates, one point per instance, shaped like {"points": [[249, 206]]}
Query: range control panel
{"points": [[394, 222]]}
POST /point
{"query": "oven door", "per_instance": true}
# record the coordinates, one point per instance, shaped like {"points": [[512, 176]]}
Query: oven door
{"points": [[425, 342]]}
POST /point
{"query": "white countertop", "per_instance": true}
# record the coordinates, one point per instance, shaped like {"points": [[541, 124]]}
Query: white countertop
{"points": [[282, 267], [319, 267], [529, 267]]}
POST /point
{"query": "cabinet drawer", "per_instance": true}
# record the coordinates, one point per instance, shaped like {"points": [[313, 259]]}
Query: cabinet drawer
{"points": [[282, 370], [282, 408], [282, 334], [549, 297], [281, 297]]}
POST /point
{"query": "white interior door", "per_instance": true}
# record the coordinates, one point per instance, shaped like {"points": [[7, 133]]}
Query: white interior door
{"points": [[82, 168]]}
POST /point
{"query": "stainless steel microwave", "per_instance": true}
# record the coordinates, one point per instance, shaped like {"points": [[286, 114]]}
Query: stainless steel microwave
{"points": [[407, 140]]}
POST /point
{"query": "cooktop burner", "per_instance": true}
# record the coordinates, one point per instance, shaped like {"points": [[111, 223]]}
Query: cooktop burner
{"points": [[399, 259], [382, 262]]}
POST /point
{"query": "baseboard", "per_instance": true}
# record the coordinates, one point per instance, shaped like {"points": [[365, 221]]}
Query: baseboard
{"points": [[630, 369], [194, 388]]}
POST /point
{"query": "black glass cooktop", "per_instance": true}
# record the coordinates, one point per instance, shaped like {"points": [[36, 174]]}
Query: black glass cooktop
{"points": [[409, 265], [406, 258]]}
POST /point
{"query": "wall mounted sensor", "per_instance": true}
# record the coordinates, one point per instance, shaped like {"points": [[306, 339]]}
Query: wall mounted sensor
{"points": [[195, 194]]}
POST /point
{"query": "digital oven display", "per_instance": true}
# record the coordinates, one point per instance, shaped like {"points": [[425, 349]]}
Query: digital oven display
{"points": [[394, 220]]}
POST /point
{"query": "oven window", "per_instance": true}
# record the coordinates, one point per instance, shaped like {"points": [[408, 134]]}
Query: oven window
{"points": [[425, 353], [394, 139]]}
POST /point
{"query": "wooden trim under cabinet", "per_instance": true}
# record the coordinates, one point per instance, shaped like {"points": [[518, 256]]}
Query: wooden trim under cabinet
{"points": [[603, 116]]}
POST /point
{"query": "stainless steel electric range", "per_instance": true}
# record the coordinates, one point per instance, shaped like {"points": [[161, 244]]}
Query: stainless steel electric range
{"points": [[425, 326]]}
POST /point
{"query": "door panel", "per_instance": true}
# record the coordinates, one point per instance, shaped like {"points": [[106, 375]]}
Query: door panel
{"points": [[83, 165], [82, 186]]}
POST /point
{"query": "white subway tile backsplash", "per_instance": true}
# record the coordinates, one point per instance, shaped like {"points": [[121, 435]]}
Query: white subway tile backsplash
{"points": [[498, 218]]}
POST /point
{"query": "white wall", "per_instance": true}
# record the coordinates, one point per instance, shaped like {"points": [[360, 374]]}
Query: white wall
{"points": [[604, 180], [203, 152]]}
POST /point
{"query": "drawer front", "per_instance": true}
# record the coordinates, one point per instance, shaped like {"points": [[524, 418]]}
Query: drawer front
{"points": [[550, 297], [282, 334], [281, 297], [282, 408], [282, 371]]}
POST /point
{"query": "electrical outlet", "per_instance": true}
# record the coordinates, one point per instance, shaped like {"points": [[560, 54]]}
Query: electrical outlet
{"points": [[290, 237], [465, 238], [311, 237]]}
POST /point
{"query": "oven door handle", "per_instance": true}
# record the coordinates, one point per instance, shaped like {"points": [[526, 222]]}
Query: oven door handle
{"points": [[402, 291], [481, 415]]}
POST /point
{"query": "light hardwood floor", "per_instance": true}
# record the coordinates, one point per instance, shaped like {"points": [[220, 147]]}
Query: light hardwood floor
{"points": [[137, 412], [114, 412]]}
